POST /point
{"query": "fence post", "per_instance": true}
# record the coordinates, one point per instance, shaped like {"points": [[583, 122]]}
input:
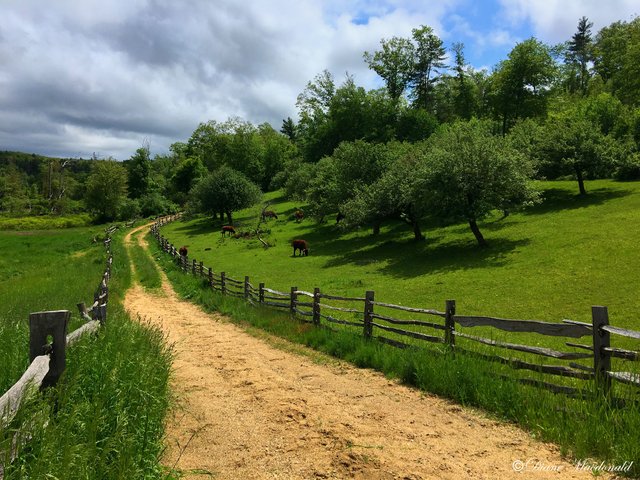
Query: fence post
{"points": [[316, 306], [246, 288], [294, 298], [41, 326], [368, 310], [223, 283], [201, 269], [210, 277], [449, 323], [261, 293], [194, 266], [601, 340]]}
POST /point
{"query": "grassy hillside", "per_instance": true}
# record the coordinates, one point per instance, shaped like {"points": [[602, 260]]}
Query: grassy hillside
{"points": [[550, 262]]}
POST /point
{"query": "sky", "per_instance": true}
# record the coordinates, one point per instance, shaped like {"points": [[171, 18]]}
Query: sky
{"points": [[105, 77]]}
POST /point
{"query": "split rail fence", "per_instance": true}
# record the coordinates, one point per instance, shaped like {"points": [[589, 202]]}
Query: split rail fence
{"points": [[441, 327], [48, 341]]}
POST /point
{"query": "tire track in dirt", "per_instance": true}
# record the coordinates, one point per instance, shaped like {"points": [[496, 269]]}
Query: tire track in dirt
{"points": [[249, 410]]}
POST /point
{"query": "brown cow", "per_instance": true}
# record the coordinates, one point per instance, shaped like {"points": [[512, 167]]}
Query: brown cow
{"points": [[183, 251], [299, 215], [228, 228], [269, 214], [302, 246]]}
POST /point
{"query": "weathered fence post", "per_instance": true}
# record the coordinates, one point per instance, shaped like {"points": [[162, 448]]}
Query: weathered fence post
{"points": [[246, 288], [223, 283], [601, 340], [41, 326], [194, 266], [368, 310], [210, 277], [201, 269], [294, 298], [316, 306], [261, 293], [449, 323]]}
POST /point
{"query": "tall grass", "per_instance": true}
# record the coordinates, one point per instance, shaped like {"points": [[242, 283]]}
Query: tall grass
{"points": [[145, 269], [584, 428], [105, 418]]}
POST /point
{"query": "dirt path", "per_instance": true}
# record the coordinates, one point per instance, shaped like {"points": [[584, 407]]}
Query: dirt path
{"points": [[249, 410]]}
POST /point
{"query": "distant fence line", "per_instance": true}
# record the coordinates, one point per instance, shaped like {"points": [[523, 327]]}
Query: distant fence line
{"points": [[48, 358], [316, 311]]}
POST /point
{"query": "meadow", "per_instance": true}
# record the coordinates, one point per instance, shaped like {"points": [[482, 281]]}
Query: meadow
{"points": [[549, 262], [105, 417]]}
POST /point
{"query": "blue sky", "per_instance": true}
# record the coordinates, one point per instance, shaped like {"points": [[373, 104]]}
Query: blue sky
{"points": [[95, 76]]}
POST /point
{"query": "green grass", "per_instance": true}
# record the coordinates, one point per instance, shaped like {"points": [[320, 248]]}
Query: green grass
{"points": [[45, 222], [145, 269], [583, 429], [551, 262], [105, 418]]}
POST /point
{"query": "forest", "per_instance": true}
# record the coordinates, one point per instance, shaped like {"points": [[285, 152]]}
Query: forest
{"points": [[474, 141]]}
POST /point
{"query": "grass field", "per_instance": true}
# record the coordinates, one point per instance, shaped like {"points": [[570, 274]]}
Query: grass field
{"points": [[105, 418], [550, 262]]}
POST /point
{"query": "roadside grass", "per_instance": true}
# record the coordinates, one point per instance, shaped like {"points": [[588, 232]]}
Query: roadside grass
{"points": [[42, 270], [550, 262], [105, 418], [146, 271], [589, 428]]}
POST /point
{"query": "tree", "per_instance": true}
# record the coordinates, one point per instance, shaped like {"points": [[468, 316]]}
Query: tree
{"points": [[289, 128], [469, 172], [393, 63], [575, 144], [139, 173], [429, 55], [521, 84], [224, 191], [579, 54], [106, 189], [188, 172]]}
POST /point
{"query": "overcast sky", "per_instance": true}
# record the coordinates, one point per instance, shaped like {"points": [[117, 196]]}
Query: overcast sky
{"points": [[104, 76]]}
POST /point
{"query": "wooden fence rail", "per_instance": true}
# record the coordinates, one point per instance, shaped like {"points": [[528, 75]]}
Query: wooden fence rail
{"points": [[376, 324]]}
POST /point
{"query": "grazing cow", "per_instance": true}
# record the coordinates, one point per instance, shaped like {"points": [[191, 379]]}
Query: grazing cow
{"points": [[269, 214], [183, 251], [302, 246], [299, 215], [339, 217], [228, 228]]}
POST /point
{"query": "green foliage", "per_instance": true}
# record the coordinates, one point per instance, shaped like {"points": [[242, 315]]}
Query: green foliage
{"points": [[224, 191], [106, 189], [138, 173], [45, 222], [393, 63], [520, 85], [428, 57], [155, 204], [470, 172]]}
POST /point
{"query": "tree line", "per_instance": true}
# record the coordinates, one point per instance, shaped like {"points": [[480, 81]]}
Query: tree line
{"points": [[440, 140]]}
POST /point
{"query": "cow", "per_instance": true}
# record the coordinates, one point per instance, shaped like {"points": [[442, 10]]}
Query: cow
{"points": [[302, 246], [228, 228], [269, 214], [299, 214], [183, 251]]}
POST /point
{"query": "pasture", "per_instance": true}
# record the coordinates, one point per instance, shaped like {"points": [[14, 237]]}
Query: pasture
{"points": [[550, 262], [105, 418]]}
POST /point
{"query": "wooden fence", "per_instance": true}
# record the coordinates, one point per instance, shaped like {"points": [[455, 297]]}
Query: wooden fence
{"points": [[48, 358], [383, 321]]}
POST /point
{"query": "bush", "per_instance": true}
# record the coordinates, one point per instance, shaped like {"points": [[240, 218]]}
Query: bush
{"points": [[628, 168], [155, 204]]}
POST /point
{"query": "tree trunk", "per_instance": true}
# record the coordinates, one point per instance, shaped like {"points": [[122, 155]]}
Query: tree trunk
{"points": [[376, 228], [478, 234], [229, 218], [580, 181]]}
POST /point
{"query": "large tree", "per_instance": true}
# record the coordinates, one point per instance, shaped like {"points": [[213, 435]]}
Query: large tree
{"points": [[139, 173], [521, 84], [429, 55], [224, 191], [579, 54], [470, 172], [394, 63], [106, 189]]}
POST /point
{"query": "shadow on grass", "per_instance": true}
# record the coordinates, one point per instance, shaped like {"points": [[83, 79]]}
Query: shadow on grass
{"points": [[407, 258], [554, 199]]}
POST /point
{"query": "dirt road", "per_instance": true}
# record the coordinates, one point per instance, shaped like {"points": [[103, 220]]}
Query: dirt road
{"points": [[250, 410]]}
